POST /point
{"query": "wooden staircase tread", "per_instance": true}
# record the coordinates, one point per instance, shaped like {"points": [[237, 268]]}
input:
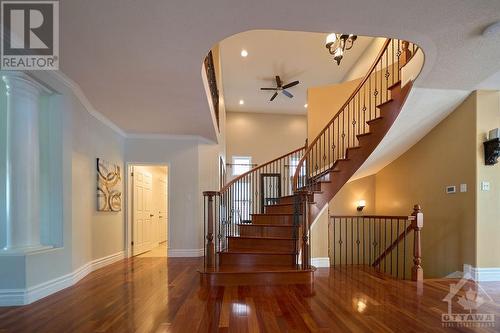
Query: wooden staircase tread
{"points": [[227, 269], [384, 103], [394, 85], [364, 134], [257, 251], [355, 147], [263, 237], [267, 225], [272, 214], [279, 204], [374, 120]]}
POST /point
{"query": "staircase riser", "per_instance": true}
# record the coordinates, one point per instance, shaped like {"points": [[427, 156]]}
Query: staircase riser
{"points": [[272, 219], [279, 245], [286, 200], [266, 231], [279, 209], [250, 259]]}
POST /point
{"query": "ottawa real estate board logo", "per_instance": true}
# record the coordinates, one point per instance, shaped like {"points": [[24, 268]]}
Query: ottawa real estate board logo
{"points": [[30, 35]]}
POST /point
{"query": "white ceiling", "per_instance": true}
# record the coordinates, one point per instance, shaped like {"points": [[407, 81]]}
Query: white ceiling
{"points": [[139, 62], [292, 55]]}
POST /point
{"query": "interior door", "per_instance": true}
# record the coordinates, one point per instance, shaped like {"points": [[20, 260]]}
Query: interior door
{"points": [[270, 189], [142, 228], [162, 213]]}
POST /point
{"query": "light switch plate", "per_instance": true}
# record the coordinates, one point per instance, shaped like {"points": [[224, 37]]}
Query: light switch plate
{"points": [[485, 186], [463, 188], [451, 189]]}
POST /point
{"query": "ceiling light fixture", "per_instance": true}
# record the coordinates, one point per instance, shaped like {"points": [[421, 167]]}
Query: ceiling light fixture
{"points": [[337, 44], [242, 102], [244, 53], [305, 105]]}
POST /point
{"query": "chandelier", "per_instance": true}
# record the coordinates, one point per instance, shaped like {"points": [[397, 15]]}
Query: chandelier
{"points": [[337, 44]]}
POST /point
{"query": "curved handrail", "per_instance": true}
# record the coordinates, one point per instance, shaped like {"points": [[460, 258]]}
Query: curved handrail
{"points": [[243, 175], [376, 67]]}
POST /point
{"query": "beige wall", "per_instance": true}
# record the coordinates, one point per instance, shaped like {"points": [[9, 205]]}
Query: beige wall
{"points": [[263, 136], [344, 203], [446, 156], [488, 203], [324, 102]]}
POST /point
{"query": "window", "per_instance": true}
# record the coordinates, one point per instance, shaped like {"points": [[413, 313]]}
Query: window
{"points": [[241, 164]]}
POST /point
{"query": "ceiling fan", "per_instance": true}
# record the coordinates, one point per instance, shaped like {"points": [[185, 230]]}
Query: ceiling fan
{"points": [[281, 87]]}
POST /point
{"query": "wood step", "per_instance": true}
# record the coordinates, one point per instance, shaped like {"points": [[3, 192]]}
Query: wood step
{"points": [[272, 219], [396, 84], [252, 258], [289, 199], [374, 120], [280, 208], [257, 275], [264, 244], [390, 100], [268, 230]]}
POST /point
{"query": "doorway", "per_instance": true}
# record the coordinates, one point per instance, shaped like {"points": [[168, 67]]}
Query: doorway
{"points": [[148, 210]]}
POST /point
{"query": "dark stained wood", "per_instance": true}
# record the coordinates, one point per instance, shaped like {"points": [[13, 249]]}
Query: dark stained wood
{"points": [[164, 295]]}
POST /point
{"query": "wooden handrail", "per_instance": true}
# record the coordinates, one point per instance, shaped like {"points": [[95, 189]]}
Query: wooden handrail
{"points": [[347, 102], [228, 185], [394, 217]]}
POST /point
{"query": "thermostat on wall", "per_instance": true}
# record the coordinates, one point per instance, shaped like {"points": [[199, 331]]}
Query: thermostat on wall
{"points": [[451, 189]]}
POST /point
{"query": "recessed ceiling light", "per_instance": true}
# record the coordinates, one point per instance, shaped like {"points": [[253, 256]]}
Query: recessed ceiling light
{"points": [[305, 105], [244, 53], [242, 102]]}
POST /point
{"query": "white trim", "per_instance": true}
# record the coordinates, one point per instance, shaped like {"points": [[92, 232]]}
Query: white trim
{"points": [[482, 274], [185, 252], [320, 262], [77, 91], [10, 297]]}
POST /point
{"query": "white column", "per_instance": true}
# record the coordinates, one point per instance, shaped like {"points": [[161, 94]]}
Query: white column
{"points": [[23, 162]]}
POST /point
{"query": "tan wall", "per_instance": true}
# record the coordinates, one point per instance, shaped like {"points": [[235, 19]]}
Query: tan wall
{"points": [[488, 203], [446, 156], [263, 136], [324, 102], [344, 203]]}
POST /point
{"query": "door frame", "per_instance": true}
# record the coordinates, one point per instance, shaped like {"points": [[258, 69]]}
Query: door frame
{"points": [[129, 191]]}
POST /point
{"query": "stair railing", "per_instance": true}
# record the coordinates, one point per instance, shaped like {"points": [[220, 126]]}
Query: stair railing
{"points": [[383, 242], [225, 210], [350, 121]]}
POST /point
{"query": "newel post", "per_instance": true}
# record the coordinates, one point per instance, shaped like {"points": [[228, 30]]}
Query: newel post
{"points": [[417, 273], [209, 218], [405, 53], [306, 224]]}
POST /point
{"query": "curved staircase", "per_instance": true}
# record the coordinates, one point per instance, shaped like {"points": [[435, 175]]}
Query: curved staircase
{"points": [[257, 226]]}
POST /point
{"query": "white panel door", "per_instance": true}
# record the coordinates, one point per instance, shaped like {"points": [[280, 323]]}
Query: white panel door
{"points": [[142, 212], [162, 216]]}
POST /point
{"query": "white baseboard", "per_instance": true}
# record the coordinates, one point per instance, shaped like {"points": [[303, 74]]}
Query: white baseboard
{"points": [[185, 253], [320, 262], [10, 297], [482, 274]]}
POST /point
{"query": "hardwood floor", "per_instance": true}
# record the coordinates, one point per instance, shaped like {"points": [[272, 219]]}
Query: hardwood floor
{"points": [[163, 295]]}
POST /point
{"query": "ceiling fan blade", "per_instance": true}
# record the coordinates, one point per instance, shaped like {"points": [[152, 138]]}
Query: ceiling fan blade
{"points": [[268, 88], [286, 93], [291, 84], [278, 81], [274, 96]]}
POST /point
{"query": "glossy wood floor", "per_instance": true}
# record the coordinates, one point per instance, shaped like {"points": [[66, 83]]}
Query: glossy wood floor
{"points": [[163, 295]]}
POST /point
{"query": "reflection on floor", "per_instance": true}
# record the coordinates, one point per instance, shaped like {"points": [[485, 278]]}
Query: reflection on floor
{"points": [[157, 252], [155, 295]]}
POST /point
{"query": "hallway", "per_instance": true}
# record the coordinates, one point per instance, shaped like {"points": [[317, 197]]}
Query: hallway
{"points": [[163, 295]]}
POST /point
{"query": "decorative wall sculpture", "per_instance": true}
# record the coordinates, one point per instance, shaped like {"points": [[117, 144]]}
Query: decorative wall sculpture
{"points": [[109, 195]]}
